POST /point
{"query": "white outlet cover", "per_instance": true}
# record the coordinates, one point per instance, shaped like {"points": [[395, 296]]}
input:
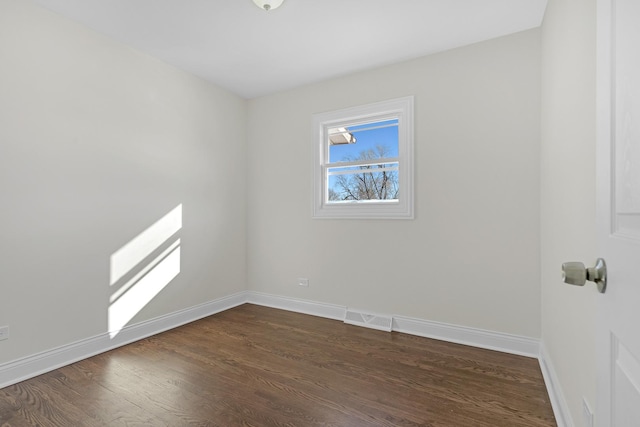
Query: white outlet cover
{"points": [[303, 282], [4, 333]]}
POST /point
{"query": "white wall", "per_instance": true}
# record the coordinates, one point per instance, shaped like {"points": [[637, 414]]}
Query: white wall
{"points": [[568, 195], [97, 142], [471, 256]]}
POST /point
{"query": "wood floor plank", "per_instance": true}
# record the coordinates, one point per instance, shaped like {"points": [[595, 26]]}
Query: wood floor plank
{"points": [[257, 366]]}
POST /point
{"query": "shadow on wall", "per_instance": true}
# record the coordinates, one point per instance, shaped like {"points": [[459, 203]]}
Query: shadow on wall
{"points": [[142, 268]]}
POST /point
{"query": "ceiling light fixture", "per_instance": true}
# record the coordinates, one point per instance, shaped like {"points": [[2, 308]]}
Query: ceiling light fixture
{"points": [[268, 4]]}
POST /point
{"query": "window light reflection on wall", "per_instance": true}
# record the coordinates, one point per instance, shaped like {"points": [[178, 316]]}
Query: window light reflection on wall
{"points": [[142, 268]]}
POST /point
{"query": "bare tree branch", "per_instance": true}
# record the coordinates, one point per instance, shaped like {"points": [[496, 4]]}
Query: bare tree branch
{"points": [[368, 184]]}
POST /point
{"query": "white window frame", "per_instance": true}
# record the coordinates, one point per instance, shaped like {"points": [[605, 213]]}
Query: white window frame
{"points": [[401, 109]]}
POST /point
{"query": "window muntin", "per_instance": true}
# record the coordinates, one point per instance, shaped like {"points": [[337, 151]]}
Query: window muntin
{"points": [[363, 162]]}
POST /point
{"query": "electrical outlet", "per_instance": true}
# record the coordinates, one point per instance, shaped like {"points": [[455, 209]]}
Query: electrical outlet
{"points": [[302, 281], [4, 333], [587, 414]]}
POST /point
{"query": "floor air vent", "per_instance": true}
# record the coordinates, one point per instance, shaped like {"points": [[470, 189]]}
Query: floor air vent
{"points": [[374, 321]]}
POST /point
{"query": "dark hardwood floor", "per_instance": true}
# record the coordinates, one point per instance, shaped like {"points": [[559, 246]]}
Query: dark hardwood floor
{"points": [[256, 366]]}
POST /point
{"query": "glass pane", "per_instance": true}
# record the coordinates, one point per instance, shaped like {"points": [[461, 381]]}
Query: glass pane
{"points": [[362, 185], [364, 141]]}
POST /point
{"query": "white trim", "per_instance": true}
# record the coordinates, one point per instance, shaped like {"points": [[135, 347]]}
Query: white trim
{"points": [[329, 311], [506, 343], [401, 109], [370, 162], [37, 364], [556, 396]]}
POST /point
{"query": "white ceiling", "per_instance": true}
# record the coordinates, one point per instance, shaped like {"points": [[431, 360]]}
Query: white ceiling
{"points": [[236, 45]]}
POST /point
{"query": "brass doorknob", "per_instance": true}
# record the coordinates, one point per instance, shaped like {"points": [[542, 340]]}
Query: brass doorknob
{"points": [[575, 273]]}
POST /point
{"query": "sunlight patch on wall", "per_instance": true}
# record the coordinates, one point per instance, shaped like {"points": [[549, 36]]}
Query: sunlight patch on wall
{"points": [[131, 254], [142, 268]]}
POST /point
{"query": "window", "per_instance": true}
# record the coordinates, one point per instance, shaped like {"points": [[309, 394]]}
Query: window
{"points": [[363, 158]]}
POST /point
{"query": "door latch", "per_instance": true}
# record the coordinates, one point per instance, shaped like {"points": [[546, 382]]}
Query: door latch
{"points": [[575, 273]]}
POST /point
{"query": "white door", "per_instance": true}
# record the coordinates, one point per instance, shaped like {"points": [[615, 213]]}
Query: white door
{"points": [[618, 187]]}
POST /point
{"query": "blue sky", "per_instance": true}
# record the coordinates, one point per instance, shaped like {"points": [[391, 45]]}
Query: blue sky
{"points": [[365, 139]]}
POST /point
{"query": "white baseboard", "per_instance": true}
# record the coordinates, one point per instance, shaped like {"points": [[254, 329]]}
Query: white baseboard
{"points": [[329, 311], [506, 343], [31, 366], [556, 396]]}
